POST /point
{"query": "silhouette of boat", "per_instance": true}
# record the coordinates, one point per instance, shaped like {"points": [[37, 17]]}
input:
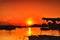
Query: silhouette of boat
{"points": [[44, 37]]}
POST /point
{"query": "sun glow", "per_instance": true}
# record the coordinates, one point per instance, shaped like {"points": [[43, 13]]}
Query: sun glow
{"points": [[29, 21]]}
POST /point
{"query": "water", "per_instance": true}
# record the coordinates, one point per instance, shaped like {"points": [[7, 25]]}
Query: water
{"points": [[22, 34]]}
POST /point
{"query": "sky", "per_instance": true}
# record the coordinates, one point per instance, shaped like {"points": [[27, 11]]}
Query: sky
{"points": [[17, 12]]}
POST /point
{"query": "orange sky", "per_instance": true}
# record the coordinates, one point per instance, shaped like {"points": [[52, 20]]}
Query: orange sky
{"points": [[19, 12]]}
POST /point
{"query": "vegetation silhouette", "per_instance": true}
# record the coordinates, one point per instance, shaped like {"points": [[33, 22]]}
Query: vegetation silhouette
{"points": [[9, 27], [50, 26]]}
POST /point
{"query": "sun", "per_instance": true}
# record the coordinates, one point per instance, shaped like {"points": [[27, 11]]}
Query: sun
{"points": [[29, 21]]}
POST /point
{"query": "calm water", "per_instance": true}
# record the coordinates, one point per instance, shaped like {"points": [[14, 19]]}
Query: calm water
{"points": [[21, 34]]}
